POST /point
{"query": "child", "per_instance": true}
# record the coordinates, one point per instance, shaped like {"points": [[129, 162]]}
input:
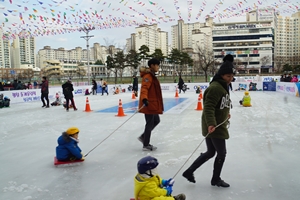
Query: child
{"points": [[87, 92], [149, 185], [246, 101], [67, 148], [57, 101]]}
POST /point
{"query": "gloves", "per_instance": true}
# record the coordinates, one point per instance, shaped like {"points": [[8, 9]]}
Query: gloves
{"points": [[145, 102], [169, 190], [166, 183], [82, 158]]}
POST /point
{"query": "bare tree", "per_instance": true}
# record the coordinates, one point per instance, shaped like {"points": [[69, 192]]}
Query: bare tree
{"points": [[265, 60], [204, 60], [279, 61], [247, 60]]}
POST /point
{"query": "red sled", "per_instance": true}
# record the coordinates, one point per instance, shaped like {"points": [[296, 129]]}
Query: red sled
{"points": [[58, 162]]}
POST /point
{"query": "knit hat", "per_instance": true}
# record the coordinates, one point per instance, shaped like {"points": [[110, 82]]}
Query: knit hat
{"points": [[227, 66], [72, 130]]}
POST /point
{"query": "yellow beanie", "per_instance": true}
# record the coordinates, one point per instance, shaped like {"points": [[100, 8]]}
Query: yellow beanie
{"points": [[72, 130], [246, 93]]}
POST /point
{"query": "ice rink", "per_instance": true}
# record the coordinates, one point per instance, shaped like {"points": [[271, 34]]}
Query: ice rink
{"points": [[262, 161]]}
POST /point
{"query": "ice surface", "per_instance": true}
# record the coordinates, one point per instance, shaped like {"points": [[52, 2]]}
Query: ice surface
{"points": [[262, 161]]}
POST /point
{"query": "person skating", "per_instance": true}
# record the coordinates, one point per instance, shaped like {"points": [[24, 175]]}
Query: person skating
{"points": [[217, 105], [180, 85], [104, 86], [45, 92], [151, 99], [135, 85], [94, 88], [149, 185], [68, 93]]}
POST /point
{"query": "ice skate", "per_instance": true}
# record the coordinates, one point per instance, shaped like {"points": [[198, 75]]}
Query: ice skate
{"points": [[220, 183], [189, 176], [149, 148]]}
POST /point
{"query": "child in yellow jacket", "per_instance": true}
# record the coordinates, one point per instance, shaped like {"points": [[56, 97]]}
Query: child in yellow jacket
{"points": [[149, 186], [246, 101]]}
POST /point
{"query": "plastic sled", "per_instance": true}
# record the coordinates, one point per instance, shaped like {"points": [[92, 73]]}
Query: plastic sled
{"points": [[57, 162]]}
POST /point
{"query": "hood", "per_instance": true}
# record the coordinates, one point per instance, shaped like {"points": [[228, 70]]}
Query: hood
{"points": [[61, 140], [145, 70]]}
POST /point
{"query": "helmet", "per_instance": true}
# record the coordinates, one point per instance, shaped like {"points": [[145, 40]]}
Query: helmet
{"points": [[246, 93], [72, 130], [146, 163]]}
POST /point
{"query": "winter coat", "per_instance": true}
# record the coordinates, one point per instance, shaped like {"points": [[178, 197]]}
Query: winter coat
{"points": [[45, 87], [246, 101], [180, 83], [65, 149], [151, 90], [294, 79], [135, 84], [94, 85], [149, 188], [216, 103], [68, 90]]}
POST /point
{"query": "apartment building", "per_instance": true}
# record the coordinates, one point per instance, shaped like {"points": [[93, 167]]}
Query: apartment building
{"points": [[22, 52], [288, 40], [4, 52], [151, 36]]}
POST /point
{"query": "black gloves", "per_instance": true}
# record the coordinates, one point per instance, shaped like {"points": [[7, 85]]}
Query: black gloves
{"points": [[145, 102]]}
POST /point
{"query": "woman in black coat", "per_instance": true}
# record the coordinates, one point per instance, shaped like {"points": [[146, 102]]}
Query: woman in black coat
{"points": [[180, 84], [94, 88], [68, 93]]}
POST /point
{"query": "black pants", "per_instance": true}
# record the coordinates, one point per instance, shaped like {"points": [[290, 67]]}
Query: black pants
{"points": [[213, 145], [94, 91], [45, 95], [151, 122], [104, 90], [72, 103], [230, 86]]}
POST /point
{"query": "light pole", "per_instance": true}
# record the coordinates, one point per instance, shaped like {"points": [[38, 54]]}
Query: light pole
{"points": [[87, 37]]}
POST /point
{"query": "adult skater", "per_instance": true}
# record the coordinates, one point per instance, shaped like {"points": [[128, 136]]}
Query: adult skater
{"points": [[68, 93], [217, 105], [45, 92], [151, 98]]}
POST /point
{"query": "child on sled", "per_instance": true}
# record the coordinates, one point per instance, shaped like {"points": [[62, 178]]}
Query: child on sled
{"points": [[68, 149], [149, 185], [57, 101]]}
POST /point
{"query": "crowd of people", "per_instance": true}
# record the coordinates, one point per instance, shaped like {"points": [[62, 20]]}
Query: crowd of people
{"points": [[289, 78], [18, 85]]}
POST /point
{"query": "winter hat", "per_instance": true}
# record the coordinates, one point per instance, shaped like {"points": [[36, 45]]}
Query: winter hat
{"points": [[72, 130], [153, 61], [246, 93], [227, 66], [228, 57]]}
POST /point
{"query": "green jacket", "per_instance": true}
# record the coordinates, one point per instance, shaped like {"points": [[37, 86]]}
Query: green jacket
{"points": [[216, 103]]}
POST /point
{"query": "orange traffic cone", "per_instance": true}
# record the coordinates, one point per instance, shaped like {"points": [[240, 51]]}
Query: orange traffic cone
{"points": [[200, 94], [120, 110], [87, 105], [199, 105], [176, 93], [133, 95]]}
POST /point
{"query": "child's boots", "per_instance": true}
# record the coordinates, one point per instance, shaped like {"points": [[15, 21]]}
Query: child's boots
{"points": [[179, 197]]}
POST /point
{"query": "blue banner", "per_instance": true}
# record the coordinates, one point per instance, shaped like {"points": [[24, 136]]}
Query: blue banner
{"points": [[298, 92], [269, 86]]}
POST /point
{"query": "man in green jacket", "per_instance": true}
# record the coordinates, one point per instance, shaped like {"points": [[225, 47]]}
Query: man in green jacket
{"points": [[217, 104]]}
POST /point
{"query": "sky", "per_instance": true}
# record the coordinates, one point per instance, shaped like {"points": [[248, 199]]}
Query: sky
{"points": [[262, 159], [56, 23]]}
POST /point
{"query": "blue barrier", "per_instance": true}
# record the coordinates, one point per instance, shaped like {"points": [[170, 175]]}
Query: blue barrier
{"points": [[269, 86]]}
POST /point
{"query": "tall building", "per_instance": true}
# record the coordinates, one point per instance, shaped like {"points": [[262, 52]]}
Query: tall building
{"points": [[152, 37], [288, 40], [22, 52], [4, 52], [251, 44]]}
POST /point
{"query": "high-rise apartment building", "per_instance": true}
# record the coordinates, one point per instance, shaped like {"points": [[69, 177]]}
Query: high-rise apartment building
{"points": [[288, 40], [152, 37], [22, 52], [4, 52]]}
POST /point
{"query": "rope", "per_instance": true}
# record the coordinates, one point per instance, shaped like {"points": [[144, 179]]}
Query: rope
{"points": [[113, 131], [198, 147]]}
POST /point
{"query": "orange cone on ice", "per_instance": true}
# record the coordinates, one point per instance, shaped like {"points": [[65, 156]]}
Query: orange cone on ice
{"points": [[199, 104], [176, 93], [133, 95], [120, 110], [87, 105]]}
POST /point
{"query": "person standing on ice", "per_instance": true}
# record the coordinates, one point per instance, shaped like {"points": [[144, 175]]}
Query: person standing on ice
{"points": [[217, 105], [151, 99], [68, 149], [45, 92], [68, 93], [149, 185]]}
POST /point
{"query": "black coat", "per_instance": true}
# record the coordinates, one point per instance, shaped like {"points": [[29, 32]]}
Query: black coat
{"points": [[68, 90], [135, 84], [181, 83]]}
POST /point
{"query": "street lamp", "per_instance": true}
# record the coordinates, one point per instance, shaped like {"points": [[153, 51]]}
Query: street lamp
{"points": [[87, 37]]}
